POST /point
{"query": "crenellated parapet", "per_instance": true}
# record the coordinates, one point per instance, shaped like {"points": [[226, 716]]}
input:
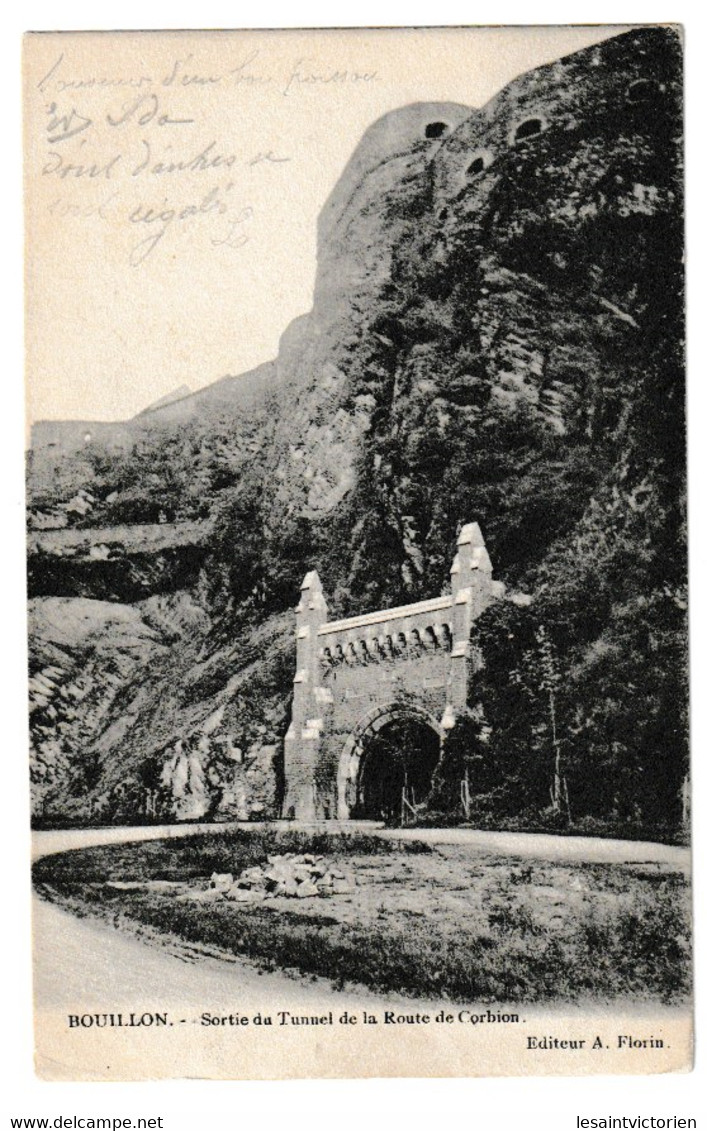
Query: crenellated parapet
{"points": [[387, 634], [346, 669]]}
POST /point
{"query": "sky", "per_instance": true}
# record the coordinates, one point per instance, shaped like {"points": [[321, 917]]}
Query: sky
{"points": [[173, 183]]}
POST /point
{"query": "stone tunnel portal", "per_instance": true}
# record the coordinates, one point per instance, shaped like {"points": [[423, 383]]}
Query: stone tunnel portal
{"points": [[375, 695]]}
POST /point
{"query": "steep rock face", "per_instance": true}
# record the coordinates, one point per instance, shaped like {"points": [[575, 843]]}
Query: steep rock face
{"points": [[355, 240], [134, 718], [496, 336], [556, 187], [530, 288]]}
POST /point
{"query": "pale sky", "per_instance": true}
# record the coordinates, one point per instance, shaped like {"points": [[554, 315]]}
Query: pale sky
{"points": [[173, 184]]}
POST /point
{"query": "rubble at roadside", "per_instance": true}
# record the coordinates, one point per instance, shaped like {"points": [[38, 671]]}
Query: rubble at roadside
{"points": [[289, 875]]}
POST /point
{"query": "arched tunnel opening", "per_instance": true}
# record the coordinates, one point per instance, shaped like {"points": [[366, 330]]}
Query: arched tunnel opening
{"points": [[395, 770], [529, 128]]}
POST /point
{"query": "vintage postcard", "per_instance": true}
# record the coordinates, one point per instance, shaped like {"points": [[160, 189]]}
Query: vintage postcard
{"points": [[357, 552]]}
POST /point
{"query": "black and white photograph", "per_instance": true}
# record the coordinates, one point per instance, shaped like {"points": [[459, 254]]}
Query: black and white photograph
{"points": [[357, 552]]}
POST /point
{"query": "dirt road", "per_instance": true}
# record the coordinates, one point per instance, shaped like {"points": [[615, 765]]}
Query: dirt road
{"points": [[532, 845], [81, 965]]}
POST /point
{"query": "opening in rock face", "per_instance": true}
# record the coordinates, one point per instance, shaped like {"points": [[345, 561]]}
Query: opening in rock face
{"points": [[642, 92], [528, 128], [397, 762], [436, 129], [477, 166]]}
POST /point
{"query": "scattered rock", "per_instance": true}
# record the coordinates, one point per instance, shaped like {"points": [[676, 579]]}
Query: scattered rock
{"points": [[253, 875], [286, 875], [221, 880], [244, 895], [306, 890]]}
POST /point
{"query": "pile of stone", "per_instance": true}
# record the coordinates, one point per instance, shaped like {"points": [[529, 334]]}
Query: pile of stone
{"points": [[289, 875]]}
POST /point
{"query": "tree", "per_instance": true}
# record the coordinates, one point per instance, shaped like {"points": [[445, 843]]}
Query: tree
{"points": [[550, 685]]}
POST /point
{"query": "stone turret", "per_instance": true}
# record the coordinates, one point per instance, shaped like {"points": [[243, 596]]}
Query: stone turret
{"points": [[311, 614], [302, 738], [471, 575]]}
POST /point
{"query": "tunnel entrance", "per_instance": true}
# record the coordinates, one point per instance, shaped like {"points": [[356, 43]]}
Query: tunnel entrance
{"points": [[395, 770], [436, 129], [529, 128]]}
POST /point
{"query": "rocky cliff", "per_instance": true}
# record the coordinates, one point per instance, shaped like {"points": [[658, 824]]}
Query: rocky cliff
{"points": [[496, 336]]}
